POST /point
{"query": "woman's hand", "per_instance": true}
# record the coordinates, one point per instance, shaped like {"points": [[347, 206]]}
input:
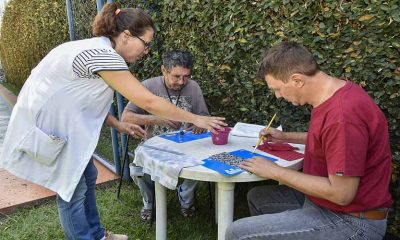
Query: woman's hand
{"points": [[210, 123], [198, 130], [132, 129]]}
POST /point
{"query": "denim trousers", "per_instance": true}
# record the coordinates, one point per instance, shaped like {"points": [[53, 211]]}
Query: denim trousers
{"points": [[280, 212], [79, 217], [185, 191]]}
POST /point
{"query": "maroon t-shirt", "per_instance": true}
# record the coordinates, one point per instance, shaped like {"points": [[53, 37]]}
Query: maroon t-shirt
{"points": [[348, 136]]}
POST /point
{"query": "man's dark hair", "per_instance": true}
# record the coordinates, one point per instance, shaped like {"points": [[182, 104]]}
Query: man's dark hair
{"points": [[177, 58], [285, 59]]}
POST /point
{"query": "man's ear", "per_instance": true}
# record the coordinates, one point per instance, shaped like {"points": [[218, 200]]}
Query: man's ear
{"points": [[163, 69], [297, 80]]}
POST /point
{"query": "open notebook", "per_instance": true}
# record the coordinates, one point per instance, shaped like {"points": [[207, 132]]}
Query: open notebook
{"points": [[248, 130], [284, 151]]}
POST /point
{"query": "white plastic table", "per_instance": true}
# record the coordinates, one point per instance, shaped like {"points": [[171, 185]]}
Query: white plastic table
{"points": [[202, 149]]}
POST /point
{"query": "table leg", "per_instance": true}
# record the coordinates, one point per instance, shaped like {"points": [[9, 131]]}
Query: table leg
{"points": [[216, 204], [225, 207], [161, 211]]}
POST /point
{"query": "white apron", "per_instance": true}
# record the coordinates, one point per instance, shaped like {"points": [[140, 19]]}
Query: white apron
{"points": [[56, 122]]}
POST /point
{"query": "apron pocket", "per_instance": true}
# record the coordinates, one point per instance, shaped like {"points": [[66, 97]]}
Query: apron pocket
{"points": [[41, 147]]}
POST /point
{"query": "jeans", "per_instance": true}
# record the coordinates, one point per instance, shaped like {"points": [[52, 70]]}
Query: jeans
{"points": [[284, 213], [79, 217], [185, 191]]}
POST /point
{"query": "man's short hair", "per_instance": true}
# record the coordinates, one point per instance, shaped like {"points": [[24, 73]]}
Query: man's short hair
{"points": [[285, 59], [177, 58]]}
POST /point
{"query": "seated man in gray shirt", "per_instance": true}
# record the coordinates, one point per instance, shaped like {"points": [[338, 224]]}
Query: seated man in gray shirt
{"points": [[176, 86]]}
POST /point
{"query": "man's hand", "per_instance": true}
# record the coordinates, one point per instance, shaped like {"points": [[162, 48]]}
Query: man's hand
{"points": [[260, 167], [273, 135], [167, 123], [131, 129]]}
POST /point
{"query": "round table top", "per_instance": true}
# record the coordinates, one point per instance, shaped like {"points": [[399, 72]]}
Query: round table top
{"points": [[204, 148]]}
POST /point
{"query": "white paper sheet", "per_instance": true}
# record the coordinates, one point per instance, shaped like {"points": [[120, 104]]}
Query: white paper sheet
{"points": [[248, 130]]}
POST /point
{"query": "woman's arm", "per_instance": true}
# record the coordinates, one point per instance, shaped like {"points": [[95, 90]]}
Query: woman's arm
{"points": [[126, 84], [146, 119]]}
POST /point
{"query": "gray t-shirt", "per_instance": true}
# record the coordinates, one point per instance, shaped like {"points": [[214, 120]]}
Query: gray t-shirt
{"points": [[190, 99]]}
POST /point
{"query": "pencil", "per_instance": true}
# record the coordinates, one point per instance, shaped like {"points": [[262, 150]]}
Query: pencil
{"points": [[266, 129]]}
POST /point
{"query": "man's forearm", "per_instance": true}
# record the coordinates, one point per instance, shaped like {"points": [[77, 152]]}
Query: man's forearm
{"points": [[111, 121], [295, 137], [139, 119], [339, 190]]}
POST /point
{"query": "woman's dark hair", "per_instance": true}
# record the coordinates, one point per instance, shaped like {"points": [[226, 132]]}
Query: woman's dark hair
{"points": [[110, 22], [285, 59]]}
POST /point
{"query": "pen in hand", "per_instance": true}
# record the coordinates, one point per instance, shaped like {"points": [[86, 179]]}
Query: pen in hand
{"points": [[266, 129]]}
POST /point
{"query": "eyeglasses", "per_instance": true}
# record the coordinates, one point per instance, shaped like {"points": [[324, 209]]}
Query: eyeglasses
{"points": [[147, 45], [177, 78]]}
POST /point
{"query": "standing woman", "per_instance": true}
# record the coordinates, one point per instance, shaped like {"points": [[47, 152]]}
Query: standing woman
{"points": [[56, 122]]}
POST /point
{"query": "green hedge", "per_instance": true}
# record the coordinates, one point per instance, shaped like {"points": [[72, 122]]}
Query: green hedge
{"points": [[30, 29], [357, 40]]}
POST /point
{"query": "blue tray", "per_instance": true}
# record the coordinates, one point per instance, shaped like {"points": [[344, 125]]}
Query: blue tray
{"points": [[187, 136], [228, 170]]}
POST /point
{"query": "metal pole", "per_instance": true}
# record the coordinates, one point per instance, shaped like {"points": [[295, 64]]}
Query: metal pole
{"points": [[120, 107], [125, 157], [70, 20], [114, 134], [114, 138], [99, 5]]}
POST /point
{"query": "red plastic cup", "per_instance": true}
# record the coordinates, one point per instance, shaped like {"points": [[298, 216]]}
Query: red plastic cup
{"points": [[222, 137]]}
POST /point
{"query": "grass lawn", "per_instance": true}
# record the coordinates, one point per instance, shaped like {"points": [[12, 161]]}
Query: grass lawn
{"points": [[14, 89], [41, 222], [104, 146]]}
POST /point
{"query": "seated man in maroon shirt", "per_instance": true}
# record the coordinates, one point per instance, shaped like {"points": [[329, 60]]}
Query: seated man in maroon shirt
{"points": [[343, 191]]}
